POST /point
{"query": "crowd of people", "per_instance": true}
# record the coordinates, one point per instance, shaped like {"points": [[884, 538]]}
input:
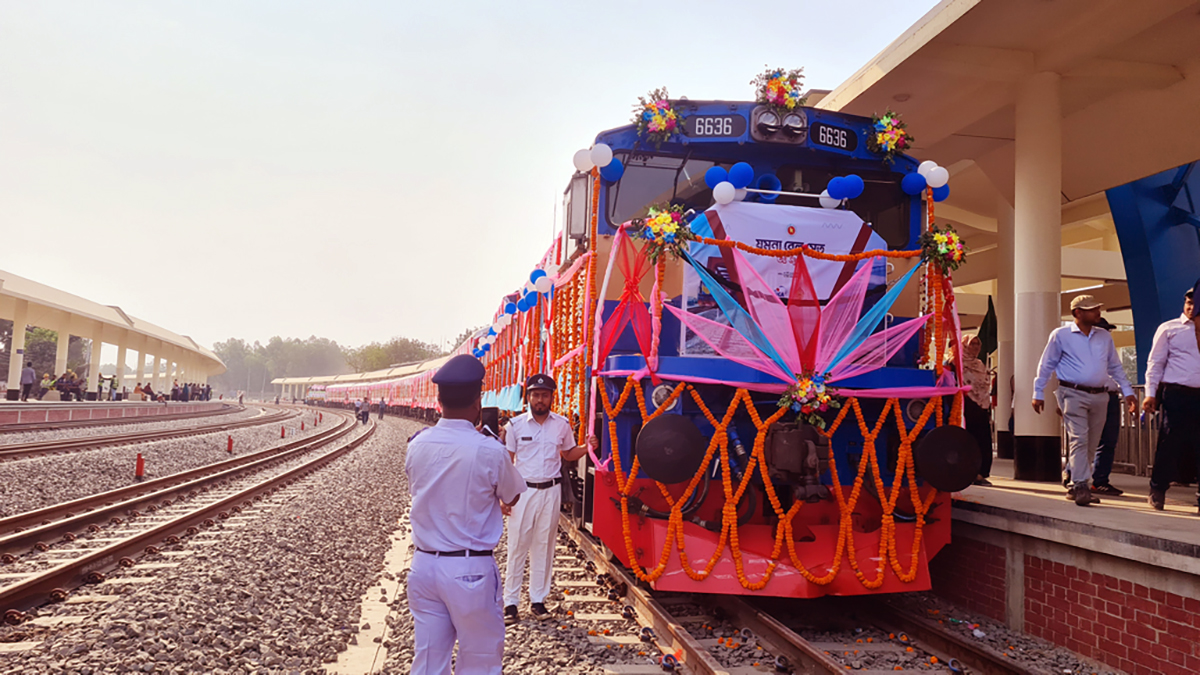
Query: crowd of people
{"points": [[72, 387]]}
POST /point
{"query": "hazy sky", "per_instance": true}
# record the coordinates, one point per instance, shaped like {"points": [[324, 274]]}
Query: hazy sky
{"points": [[353, 170]]}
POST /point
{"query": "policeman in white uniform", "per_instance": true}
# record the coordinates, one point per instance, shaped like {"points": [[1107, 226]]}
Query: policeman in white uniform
{"points": [[1174, 363], [539, 441], [459, 480]]}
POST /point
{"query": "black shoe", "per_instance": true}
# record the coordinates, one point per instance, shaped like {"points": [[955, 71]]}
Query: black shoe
{"points": [[510, 615], [539, 611], [1107, 490], [982, 481], [1084, 496], [1158, 499]]}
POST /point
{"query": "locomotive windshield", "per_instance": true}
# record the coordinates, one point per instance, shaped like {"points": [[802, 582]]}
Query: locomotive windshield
{"points": [[656, 178]]}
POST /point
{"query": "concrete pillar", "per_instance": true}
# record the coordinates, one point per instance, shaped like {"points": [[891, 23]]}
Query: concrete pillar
{"points": [[93, 379], [141, 366], [1006, 323], [1037, 268], [60, 351], [121, 355], [16, 356]]}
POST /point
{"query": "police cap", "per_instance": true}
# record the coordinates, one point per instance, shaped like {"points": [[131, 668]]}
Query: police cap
{"points": [[540, 381], [462, 369]]}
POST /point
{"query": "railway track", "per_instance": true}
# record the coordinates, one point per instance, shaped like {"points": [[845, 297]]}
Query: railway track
{"points": [[14, 451], [68, 424], [104, 531], [731, 635]]}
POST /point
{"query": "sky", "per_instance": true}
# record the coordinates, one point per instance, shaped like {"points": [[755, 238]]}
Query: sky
{"points": [[352, 170]]}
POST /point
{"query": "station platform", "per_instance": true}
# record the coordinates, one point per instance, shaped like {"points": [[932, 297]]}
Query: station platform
{"points": [[31, 412], [1117, 582]]}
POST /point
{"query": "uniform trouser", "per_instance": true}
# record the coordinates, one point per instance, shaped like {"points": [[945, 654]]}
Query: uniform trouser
{"points": [[1083, 415], [531, 529], [456, 598], [1182, 407], [979, 425], [25, 388]]}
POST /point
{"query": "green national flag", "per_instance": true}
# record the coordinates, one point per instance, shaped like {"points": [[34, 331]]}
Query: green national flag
{"points": [[988, 331]]}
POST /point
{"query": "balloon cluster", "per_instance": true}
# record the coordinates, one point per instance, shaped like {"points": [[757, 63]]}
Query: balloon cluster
{"points": [[600, 156], [729, 186], [840, 189], [539, 282], [928, 174]]}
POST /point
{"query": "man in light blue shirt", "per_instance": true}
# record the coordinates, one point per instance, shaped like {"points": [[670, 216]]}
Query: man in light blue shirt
{"points": [[1083, 357]]}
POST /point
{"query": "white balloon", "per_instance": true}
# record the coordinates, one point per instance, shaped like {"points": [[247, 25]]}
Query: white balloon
{"points": [[491, 339], [528, 288], [828, 202], [551, 270], [505, 319], [924, 169], [724, 192], [740, 195], [544, 285], [601, 155], [938, 177], [583, 160]]}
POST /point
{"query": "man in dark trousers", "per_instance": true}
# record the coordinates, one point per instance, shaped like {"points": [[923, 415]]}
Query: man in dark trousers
{"points": [[1174, 363], [28, 377], [458, 481]]}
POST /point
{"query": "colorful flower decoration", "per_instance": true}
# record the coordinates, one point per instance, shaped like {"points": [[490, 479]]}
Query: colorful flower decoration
{"points": [[943, 248], [889, 136], [780, 89], [811, 400], [656, 119], [664, 230]]}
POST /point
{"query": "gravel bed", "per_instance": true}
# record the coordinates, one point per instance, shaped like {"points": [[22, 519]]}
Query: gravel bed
{"points": [[36, 482], [280, 594], [1025, 649], [15, 437]]}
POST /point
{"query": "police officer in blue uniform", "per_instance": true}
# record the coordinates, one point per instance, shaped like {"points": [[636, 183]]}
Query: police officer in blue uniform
{"points": [[458, 481]]}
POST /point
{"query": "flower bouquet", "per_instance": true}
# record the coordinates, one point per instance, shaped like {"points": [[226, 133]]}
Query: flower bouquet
{"points": [[656, 119], [888, 136], [811, 400], [779, 89], [664, 230], [943, 248]]}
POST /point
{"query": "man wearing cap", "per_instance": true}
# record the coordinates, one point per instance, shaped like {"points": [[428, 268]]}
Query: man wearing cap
{"points": [[538, 441], [1083, 357], [1174, 363], [459, 480], [1106, 453]]}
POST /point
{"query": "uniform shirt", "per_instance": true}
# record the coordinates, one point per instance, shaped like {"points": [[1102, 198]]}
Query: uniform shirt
{"points": [[537, 446], [1086, 360], [457, 478], [1174, 357]]}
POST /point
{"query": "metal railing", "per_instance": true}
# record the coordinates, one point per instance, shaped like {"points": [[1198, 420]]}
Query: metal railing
{"points": [[1139, 437]]}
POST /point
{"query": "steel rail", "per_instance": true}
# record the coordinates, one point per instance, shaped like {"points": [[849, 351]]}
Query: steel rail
{"points": [[63, 520], [936, 638], [65, 424], [38, 448], [54, 584]]}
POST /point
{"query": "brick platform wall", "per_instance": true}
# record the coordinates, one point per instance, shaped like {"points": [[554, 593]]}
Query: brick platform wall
{"points": [[1125, 625], [971, 573]]}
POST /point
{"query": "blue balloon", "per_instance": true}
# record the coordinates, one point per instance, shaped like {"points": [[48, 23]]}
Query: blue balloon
{"points": [[715, 176], [913, 184], [536, 274], [522, 306], [856, 185], [940, 194], [741, 174], [768, 181], [491, 331], [486, 348], [531, 299], [613, 172], [510, 308], [476, 353], [837, 188]]}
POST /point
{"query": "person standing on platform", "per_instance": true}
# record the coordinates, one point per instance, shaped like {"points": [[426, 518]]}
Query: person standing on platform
{"points": [[977, 405], [1083, 357], [28, 377], [538, 441], [459, 481], [1174, 363]]}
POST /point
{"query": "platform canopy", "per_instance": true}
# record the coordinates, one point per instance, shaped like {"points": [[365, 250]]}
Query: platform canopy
{"points": [[1130, 100]]}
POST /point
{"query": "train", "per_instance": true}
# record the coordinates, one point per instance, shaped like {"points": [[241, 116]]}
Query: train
{"points": [[752, 306]]}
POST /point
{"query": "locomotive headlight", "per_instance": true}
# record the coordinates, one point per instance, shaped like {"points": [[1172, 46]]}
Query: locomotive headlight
{"points": [[794, 124], [660, 395], [768, 122]]}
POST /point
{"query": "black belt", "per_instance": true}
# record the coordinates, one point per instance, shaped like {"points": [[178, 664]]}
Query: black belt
{"points": [[1183, 388], [543, 486], [458, 554], [1080, 387]]}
